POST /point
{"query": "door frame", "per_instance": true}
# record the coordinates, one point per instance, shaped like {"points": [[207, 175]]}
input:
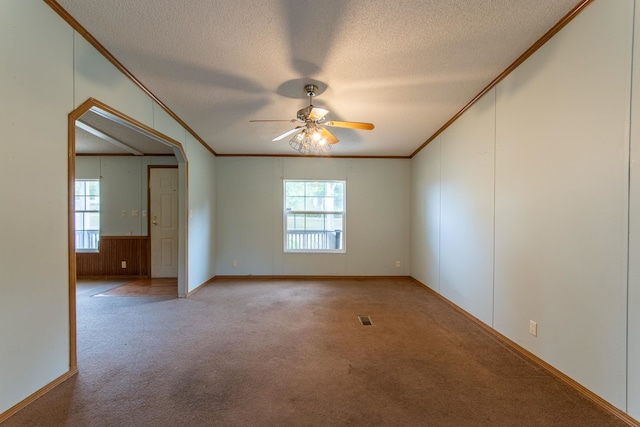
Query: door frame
{"points": [[178, 150]]}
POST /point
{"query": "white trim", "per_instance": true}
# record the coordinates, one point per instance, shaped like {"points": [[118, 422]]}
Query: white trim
{"points": [[285, 213]]}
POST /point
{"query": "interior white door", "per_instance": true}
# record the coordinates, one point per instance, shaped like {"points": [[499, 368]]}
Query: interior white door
{"points": [[163, 221]]}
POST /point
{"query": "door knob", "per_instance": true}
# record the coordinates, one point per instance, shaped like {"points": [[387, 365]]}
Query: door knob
{"points": [[155, 220]]}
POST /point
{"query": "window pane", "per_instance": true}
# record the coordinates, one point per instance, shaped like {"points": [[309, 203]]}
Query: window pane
{"points": [[294, 188], [338, 202], [316, 189], [93, 187], [79, 239], [79, 188], [330, 204], [314, 196], [295, 203], [314, 204], [92, 221], [93, 238], [80, 206], [79, 221], [87, 240], [296, 222], [334, 222], [93, 203], [315, 222]]}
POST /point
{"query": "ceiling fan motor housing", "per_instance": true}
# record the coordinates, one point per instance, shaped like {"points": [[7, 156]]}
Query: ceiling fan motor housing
{"points": [[303, 113], [311, 89]]}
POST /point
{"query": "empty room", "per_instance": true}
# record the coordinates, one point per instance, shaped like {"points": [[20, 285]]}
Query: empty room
{"points": [[320, 213]]}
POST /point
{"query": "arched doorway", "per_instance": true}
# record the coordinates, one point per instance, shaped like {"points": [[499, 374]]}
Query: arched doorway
{"points": [[97, 111]]}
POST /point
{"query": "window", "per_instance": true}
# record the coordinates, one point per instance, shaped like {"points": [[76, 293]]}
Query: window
{"points": [[87, 202], [314, 216]]}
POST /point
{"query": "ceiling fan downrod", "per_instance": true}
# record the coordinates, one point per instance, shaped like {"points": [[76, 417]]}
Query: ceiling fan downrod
{"points": [[311, 90]]}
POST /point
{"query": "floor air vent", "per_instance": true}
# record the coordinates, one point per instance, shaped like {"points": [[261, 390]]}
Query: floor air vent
{"points": [[365, 320]]}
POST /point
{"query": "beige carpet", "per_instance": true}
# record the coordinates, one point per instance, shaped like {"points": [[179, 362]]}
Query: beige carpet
{"points": [[294, 353]]}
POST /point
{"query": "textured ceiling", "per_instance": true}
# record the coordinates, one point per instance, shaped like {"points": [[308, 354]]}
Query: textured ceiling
{"points": [[407, 66]]}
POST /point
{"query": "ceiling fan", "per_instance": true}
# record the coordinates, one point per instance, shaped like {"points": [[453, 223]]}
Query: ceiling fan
{"points": [[311, 136]]}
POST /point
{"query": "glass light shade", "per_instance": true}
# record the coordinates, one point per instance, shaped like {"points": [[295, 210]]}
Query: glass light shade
{"points": [[309, 142]]}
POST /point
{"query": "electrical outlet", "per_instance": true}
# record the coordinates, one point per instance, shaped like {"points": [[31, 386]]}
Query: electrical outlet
{"points": [[124, 264], [533, 328], [397, 264], [234, 263]]}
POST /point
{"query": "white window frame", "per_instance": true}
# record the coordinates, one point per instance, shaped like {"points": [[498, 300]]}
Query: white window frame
{"points": [[76, 211], [343, 212]]}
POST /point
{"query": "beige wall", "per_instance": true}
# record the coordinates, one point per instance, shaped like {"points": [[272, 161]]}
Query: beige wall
{"points": [[47, 71], [250, 216], [36, 87], [633, 302], [123, 186], [540, 169]]}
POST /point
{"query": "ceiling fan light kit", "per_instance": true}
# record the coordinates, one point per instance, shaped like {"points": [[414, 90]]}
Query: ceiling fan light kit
{"points": [[309, 137], [306, 142]]}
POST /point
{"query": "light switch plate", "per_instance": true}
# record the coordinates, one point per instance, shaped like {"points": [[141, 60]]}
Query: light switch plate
{"points": [[533, 328]]}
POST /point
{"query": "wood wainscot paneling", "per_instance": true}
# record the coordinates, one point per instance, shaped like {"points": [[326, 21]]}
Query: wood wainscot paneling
{"points": [[134, 250]]}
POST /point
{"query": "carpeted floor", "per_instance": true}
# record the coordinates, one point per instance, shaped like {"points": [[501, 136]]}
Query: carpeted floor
{"points": [[143, 288], [294, 353]]}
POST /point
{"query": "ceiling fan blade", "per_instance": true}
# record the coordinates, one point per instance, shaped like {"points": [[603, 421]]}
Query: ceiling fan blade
{"points": [[290, 121], [317, 113], [353, 125], [331, 139], [287, 133]]}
